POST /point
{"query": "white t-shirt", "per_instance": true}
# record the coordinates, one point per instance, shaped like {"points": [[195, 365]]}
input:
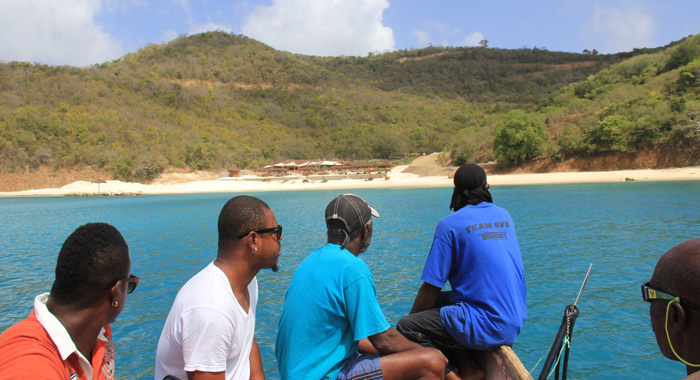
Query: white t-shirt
{"points": [[207, 329]]}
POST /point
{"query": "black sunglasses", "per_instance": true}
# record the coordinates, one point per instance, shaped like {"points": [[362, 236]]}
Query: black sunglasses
{"points": [[133, 281], [649, 294], [277, 231]]}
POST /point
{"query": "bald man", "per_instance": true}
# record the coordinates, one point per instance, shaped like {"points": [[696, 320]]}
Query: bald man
{"points": [[674, 294]]}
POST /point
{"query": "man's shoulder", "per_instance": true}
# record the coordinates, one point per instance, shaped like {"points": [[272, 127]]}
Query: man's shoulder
{"points": [[331, 253], [29, 328], [205, 277], [332, 261], [204, 287], [483, 208], [27, 339]]}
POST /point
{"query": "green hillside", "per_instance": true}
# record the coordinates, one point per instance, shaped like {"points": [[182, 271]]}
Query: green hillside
{"points": [[217, 101], [648, 101]]}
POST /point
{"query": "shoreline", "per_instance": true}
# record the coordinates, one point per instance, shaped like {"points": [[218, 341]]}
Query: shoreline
{"points": [[397, 179]]}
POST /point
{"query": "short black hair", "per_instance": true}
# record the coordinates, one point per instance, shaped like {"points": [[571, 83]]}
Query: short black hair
{"points": [[239, 215], [91, 260]]}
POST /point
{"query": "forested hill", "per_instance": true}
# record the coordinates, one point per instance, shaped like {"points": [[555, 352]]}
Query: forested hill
{"points": [[218, 101]]}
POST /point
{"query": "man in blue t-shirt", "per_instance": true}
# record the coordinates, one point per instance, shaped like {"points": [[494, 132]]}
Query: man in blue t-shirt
{"points": [[477, 251], [332, 326]]}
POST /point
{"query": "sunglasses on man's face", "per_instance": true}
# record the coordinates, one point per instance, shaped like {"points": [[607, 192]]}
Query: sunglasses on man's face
{"points": [[276, 231], [650, 294], [133, 282]]}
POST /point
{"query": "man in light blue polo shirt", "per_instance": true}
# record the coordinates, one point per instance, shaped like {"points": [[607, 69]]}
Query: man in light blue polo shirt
{"points": [[332, 326]]}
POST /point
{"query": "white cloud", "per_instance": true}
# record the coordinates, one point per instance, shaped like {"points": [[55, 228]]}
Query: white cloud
{"points": [[422, 38], [616, 30], [473, 39], [449, 35], [57, 32], [170, 35], [322, 27]]}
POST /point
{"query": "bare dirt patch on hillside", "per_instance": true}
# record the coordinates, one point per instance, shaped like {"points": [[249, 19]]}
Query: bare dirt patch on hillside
{"points": [[174, 177], [428, 166], [404, 59]]}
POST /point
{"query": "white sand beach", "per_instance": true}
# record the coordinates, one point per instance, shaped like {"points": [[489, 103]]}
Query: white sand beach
{"points": [[397, 178]]}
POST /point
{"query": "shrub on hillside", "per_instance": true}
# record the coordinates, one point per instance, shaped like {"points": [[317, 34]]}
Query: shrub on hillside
{"points": [[609, 135], [518, 138]]}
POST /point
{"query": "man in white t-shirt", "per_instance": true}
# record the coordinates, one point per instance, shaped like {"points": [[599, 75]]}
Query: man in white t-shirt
{"points": [[209, 332]]}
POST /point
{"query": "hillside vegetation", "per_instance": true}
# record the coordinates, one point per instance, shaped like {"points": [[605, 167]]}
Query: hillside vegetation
{"points": [[218, 101]]}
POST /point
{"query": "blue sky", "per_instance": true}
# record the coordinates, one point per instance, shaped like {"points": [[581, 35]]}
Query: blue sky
{"points": [[84, 32]]}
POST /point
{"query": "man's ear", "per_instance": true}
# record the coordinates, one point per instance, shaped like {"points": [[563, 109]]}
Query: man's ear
{"points": [[115, 292], [253, 241], [366, 230], [676, 317]]}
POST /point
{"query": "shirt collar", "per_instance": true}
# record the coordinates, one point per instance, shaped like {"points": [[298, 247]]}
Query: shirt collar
{"points": [[59, 334]]}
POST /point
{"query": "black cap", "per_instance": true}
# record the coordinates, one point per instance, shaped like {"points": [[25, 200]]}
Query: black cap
{"points": [[350, 209]]}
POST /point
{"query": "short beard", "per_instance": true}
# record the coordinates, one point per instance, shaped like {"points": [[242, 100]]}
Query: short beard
{"points": [[275, 268], [365, 243]]}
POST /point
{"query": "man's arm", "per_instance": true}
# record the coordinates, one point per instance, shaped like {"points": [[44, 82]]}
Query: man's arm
{"points": [[207, 336], [428, 295], [403, 359], [392, 341], [256, 367], [366, 347]]}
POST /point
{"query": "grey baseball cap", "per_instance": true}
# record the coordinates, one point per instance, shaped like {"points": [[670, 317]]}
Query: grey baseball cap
{"points": [[352, 210]]}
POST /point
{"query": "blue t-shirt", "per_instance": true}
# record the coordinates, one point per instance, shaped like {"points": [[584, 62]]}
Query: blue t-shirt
{"points": [[476, 250], [330, 305]]}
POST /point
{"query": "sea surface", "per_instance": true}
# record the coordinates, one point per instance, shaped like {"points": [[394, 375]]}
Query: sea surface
{"points": [[621, 228]]}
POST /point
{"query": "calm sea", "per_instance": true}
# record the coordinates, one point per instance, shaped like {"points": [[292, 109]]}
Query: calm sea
{"points": [[622, 228]]}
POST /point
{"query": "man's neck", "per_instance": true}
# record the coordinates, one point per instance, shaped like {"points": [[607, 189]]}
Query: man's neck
{"points": [[239, 273], [352, 247], [83, 325]]}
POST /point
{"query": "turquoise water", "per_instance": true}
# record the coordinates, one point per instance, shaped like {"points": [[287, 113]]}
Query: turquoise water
{"points": [[622, 228]]}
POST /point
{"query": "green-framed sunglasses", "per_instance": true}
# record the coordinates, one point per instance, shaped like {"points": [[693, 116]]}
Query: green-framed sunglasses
{"points": [[649, 294]]}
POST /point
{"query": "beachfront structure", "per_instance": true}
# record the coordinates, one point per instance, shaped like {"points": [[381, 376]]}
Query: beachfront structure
{"points": [[294, 165]]}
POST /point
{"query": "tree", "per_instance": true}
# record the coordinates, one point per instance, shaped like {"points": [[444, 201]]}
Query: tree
{"points": [[484, 43], [518, 138], [694, 119], [388, 144], [688, 77], [198, 157], [682, 55], [608, 135]]}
